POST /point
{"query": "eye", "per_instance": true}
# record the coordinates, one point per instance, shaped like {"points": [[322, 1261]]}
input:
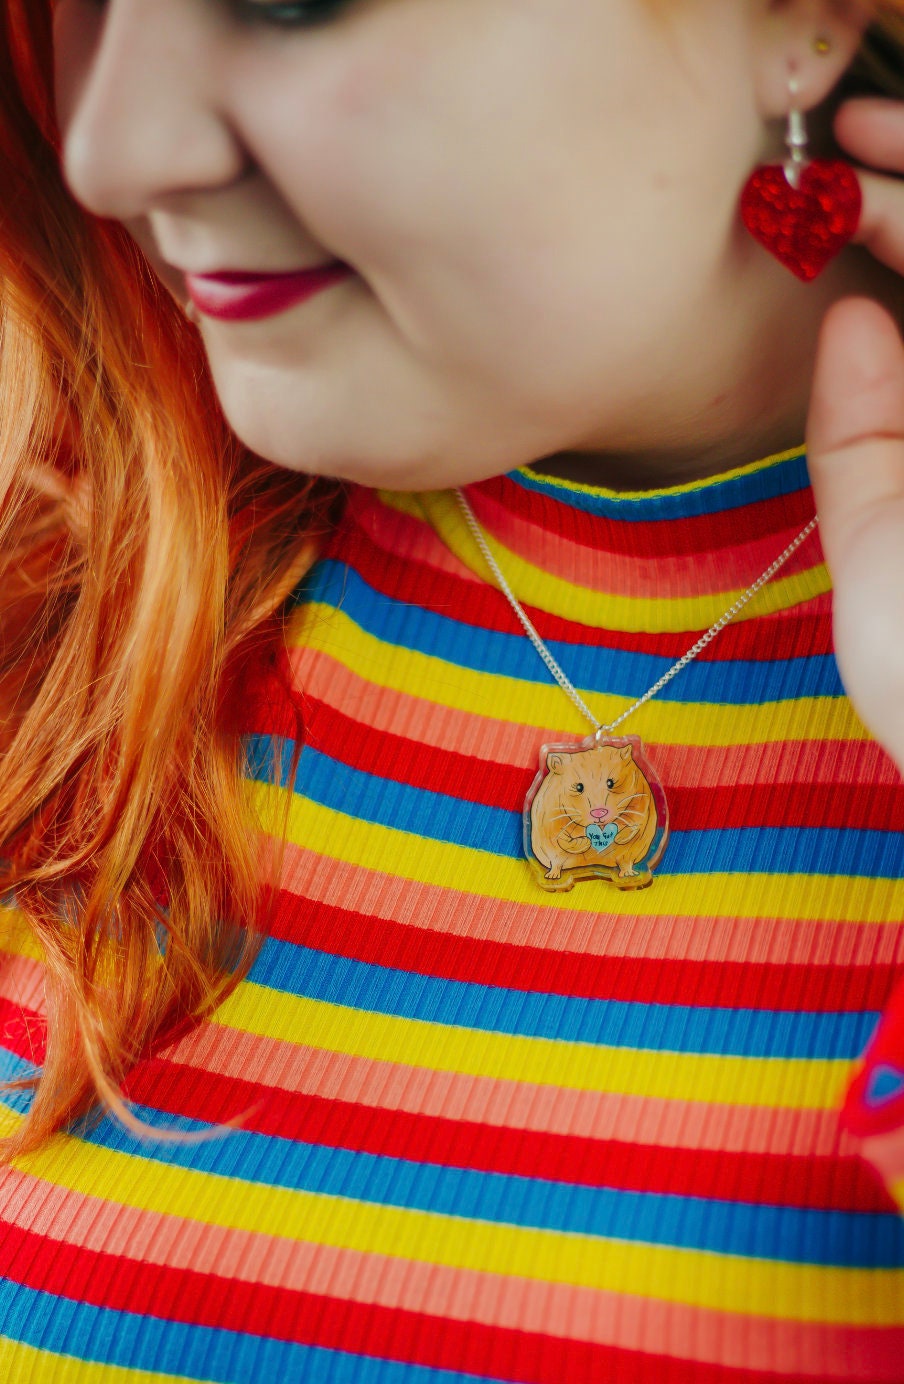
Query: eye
{"points": [[578, 788], [281, 13], [610, 783]]}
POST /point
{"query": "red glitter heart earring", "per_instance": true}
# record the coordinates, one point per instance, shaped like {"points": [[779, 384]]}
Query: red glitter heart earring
{"points": [[803, 211]]}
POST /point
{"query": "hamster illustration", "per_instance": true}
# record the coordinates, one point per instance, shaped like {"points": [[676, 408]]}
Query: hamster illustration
{"points": [[593, 812]]}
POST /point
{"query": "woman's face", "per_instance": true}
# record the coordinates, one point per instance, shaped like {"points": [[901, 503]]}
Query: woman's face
{"points": [[537, 199]]}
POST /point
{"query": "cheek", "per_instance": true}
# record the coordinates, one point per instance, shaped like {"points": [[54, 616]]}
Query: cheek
{"points": [[425, 161], [507, 224], [337, 128]]}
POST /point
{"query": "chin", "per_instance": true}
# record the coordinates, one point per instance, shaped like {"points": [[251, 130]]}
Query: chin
{"points": [[375, 444], [296, 448]]}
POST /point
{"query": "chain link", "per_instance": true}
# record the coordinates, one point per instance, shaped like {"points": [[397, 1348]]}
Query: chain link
{"points": [[566, 685]]}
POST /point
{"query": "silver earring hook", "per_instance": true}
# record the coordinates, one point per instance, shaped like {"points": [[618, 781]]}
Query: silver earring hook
{"points": [[796, 139]]}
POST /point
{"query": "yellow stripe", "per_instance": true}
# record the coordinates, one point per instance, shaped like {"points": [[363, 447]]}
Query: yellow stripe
{"points": [[603, 609], [16, 936], [323, 629], [730, 1283], [21, 1362], [780, 1083], [698, 487], [401, 855]]}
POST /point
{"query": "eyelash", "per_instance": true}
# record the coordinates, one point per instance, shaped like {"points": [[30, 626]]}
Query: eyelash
{"points": [[303, 13], [281, 14]]}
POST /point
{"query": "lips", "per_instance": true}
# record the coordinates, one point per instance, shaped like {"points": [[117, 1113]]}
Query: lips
{"points": [[234, 296]]}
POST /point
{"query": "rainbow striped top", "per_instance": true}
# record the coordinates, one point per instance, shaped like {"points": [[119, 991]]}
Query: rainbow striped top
{"points": [[492, 1133]]}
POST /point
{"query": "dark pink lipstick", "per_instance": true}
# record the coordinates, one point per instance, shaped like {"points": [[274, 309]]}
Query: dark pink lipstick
{"points": [[233, 296]]}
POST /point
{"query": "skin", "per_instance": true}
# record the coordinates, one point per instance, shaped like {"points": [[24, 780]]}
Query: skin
{"points": [[539, 199]]}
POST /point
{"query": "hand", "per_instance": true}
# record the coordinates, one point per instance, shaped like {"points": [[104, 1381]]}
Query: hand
{"points": [[856, 443], [856, 458], [871, 130]]}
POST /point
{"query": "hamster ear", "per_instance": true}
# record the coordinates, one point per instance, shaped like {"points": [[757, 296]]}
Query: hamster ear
{"points": [[554, 763], [625, 753]]}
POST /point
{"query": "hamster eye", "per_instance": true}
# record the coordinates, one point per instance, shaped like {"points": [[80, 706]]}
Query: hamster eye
{"points": [[578, 788], [610, 783]]}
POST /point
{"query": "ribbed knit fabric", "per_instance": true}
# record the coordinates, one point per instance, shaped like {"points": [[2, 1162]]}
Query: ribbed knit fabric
{"points": [[491, 1133]]}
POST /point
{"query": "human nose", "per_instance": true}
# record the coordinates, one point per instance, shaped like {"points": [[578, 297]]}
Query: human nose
{"points": [[138, 102]]}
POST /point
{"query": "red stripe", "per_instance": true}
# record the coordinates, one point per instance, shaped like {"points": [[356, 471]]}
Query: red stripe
{"points": [[23, 1032], [653, 538], [438, 770], [837, 1183], [770, 638], [384, 1333], [813, 987]]}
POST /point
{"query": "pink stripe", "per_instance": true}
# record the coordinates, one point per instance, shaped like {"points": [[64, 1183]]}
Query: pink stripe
{"points": [[694, 574], [886, 1153], [814, 761], [405, 538], [22, 981], [631, 1323], [681, 936], [509, 1104]]}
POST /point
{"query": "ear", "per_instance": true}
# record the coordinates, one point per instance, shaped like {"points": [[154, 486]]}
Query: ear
{"points": [[814, 41], [554, 763], [625, 752]]}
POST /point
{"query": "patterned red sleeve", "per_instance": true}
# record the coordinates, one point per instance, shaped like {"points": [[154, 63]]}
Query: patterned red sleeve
{"points": [[874, 1107]]}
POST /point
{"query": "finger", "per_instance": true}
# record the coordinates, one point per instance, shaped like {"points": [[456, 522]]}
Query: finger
{"points": [[871, 129], [855, 434], [881, 227]]}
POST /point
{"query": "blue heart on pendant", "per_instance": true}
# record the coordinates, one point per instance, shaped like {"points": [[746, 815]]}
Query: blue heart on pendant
{"points": [[601, 838]]}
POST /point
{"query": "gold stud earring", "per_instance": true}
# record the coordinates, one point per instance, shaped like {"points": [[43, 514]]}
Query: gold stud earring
{"points": [[822, 45]]}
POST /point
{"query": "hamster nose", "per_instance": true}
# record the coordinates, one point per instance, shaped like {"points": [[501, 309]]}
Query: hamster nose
{"points": [[600, 813]]}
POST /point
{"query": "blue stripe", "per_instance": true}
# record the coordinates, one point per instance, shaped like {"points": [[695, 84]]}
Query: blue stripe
{"points": [[317, 975], [131, 1340], [715, 497], [620, 672], [847, 851], [855, 1239]]}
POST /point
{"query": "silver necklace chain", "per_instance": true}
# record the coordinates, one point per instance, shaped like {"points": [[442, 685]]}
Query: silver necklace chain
{"points": [[564, 682]]}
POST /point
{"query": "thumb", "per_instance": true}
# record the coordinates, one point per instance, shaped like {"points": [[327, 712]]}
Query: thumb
{"points": [[856, 440], [855, 433]]}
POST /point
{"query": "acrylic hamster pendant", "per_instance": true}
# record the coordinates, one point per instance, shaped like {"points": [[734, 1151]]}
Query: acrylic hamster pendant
{"points": [[596, 810]]}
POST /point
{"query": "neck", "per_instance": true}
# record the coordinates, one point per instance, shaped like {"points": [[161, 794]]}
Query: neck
{"points": [[749, 400], [670, 466]]}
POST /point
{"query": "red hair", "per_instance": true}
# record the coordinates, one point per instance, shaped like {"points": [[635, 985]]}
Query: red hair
{"points": [[144, 559]]}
